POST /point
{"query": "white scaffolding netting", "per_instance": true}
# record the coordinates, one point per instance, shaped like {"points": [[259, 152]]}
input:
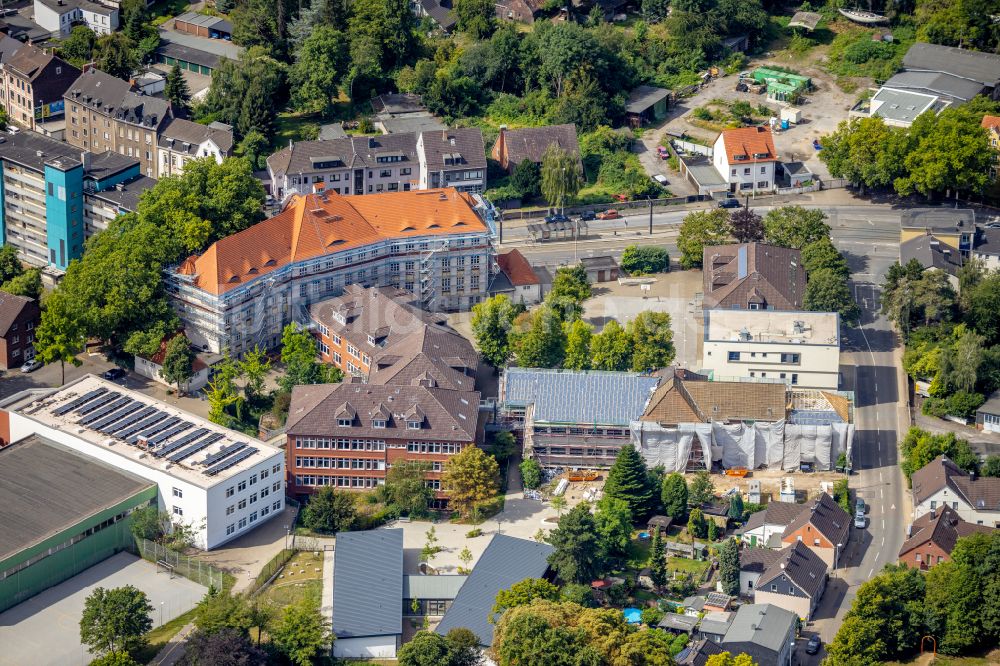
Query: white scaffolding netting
{"points": [[673, 448]]}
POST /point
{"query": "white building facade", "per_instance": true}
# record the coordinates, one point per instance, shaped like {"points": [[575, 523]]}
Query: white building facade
{"points": [[60, 16], [221, 499], [745, 158]]}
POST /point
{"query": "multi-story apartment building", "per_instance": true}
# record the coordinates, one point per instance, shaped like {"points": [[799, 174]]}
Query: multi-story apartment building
{"points": [[390, 163], [181, 141], [55, 196], [32, 82], [220, 483], [59, 17], [379, 334], [347, 435], [106, 113], [246, 287]]}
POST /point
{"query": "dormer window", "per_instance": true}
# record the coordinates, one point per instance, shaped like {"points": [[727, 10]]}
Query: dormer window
{"points": [[413, 425], [371, 340], [378, 423], [344, 423]]}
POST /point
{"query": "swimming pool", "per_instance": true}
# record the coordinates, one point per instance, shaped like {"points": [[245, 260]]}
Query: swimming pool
{"points": [[633, 615]]}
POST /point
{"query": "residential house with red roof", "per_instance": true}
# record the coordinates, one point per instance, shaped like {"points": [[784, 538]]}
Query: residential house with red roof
{"points": [[941, 483], [932, 537], [152, 367], [746, 158], [516, 279]]}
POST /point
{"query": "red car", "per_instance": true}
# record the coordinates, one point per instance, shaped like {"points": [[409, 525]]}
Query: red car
{"points": [[608, 215]]}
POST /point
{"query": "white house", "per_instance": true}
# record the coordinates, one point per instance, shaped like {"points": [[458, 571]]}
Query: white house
{"points": [[941, 483], [181, 141], [152, 368], [60, 16], [765, 528], [516, 279], [745, 158], [221, 483], [798, 348]]}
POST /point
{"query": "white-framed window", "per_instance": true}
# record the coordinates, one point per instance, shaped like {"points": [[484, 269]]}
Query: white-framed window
{"points": [[231, 509], [276, 505], [253, 517], [243, 523], [378, 423], [177, 492], [230, 528], [241, 486], [229, 491], [276, 468], [242, 504], [178, 511]]}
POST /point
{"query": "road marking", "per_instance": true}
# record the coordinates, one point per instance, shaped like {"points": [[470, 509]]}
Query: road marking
{"points": [[883, 523], [893, 507], [880, 476], [881, 494], [872, 572]]}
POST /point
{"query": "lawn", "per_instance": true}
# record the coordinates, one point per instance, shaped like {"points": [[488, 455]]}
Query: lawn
{"points": [[302, 577], [941, 660], [160, 636], [163, 10], [684, 565]]}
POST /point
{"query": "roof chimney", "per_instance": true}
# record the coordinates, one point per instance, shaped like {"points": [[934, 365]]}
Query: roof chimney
{"points": [[933, 514]]}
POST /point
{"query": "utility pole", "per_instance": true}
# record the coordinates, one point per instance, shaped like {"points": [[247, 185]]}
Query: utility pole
{"points": [[650, 216]]}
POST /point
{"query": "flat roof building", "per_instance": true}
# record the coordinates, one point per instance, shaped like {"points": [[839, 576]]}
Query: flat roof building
{"points": [[60, 512], [221, 483]]}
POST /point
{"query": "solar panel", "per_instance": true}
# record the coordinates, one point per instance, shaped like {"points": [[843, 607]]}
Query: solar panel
{"points": [[153, 429], [173, 446], [126, 422], [131, 406], [195, 448], [73, 404], [104, 411], [229, 462], [223, 452], [97, 403], [164, 436], [154, 418]]}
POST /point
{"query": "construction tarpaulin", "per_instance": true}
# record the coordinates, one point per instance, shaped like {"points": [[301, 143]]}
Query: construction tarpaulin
{"points": [[671, 447], [749, 445]]}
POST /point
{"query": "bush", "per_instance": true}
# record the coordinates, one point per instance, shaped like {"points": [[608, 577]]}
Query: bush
{"points": [[487, 508], [701, 113], [962, 404], [472, 534], [864, 50], [531, 473], [641, 260], [842, 495], [651, 616]]}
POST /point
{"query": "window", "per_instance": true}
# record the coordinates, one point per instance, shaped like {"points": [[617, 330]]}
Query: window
{"points": [[795, 378], [242, 504], [253, 498], [763, 169], [344, 423], [243, 523], [241, 486], [276, 486], [263, 474], [264, 492], [815, 542], [413, 425], [933, 504], [230, 528], [746, 171], [177, 492], [231, 509], [253, 479], [253, 517], [734, 356], [790, 358], [275, 506], [229, 491], [276, 468], [762, 184], [178, 511], [378, 423]]}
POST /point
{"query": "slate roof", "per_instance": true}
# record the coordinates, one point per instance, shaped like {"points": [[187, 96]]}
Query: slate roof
{"points": [[763, 625], [942, 527], [987, 241], [589, 397], [517, 269], [465, 143], [398, 103], [931, 253], [745, 142], [32, 63], [943, 220], [774, 513], [643, 97], [114, 97], [937, 83], [351, 152], [531, 142], [66, 6], [416, 586], [449, 416], [741, 274], [29, 471], [443, 16], [693, 400], [205, 21], [757, 560], [802, 566], [678, 622], [826, 516], [976, 66], [982, 493], [178, 132], [368, 583], [716, 622], [315, 225], [506, 560], [220, 48], [126, 195], [416, 122], [11, 308], [171, 49], [992, 405], [598, 263]]}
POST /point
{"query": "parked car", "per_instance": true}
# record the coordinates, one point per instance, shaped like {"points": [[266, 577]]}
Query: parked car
{"points": [[32, 365], [859, 521], [860, 507], [587, 216], [812, 647], [113, 374], [558, 217], [661, 180], [610, 214], [729, 203], [621, 197]]}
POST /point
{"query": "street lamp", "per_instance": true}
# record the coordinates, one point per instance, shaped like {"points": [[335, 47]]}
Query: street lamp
{"points": [[161, 613], [791, 652], [836, 556]]}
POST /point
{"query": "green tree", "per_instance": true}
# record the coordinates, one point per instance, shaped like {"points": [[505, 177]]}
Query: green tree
{"points": [[822, 255], [747, 226], [658, 571], [701, 228], [713, 530], [655, 11], [10, 263], [78, 48], [177, 90], [827, 291], [674, 495], [983, 311], [330, 511], [577, 555], [114, 54], [578, 336], [697, 525], [543, 345], [570, 288], [471, 477], [920, 447], [523, 593], [386, 25], [991, 466], [27, 284], [60, 336], [465, 557], [149, 523], [301, 633], [560, 176], [219, 611], [526, 178], [426, 648], [727, 659], [253, 148], [464, 645], [531, 473], [231, 84], [613, 519], [628, 481], [178, 362], [736, 508], [644, 259], [492, 321], [226, 647], [701, 491], [950, 152], [729, 567], [865, 151], [477, 18], [320, 65], [652, 341], [115, 620], [114, 659], [612, 348], [298, 353], [254, 367], [405, 485], [795, 226]]}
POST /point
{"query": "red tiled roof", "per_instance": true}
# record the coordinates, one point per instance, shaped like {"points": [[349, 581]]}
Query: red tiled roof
{"points": [[317, 224], [161, 353], [991, 122], [518, 270], [749, 141]]}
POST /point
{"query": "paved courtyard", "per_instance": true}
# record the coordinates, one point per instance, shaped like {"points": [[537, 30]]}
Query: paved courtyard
{"points": [[46, 628]]}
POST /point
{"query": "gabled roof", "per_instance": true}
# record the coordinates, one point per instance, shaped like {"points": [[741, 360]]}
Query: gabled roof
{"points": [[517, 269], [802, 566], [462, 147], [973, 65], [315, 225], [758, 560], [685, 400], [764, 625], [643, 97], [589, 397], [506, 561], [987, 240], [775, 513], [991, 122], [111, 96], [184, 136], [530, 143], [743, 274], [11, 309], [368, 583], [982, 493], [942, 527], [749, 144], [931, 253], [826, 516]]}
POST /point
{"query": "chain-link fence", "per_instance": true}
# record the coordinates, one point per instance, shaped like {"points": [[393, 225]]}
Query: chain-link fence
{"points": [[180, 564], [269, 570]]}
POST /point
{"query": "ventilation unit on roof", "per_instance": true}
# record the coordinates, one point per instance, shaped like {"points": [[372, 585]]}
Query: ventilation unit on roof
{"points": [[745, 335]]}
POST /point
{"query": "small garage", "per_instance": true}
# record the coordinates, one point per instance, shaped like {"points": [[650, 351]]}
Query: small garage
{"points": [[646, 104], [600, 269]]}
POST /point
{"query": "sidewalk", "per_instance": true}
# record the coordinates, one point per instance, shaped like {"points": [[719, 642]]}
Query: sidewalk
{"points": [[174, 649], [327, 601]]}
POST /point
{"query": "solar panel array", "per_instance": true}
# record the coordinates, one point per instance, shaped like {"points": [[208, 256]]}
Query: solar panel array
{"points": [[111, 413]]}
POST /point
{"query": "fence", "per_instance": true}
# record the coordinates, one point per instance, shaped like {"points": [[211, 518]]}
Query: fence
{"points": [[691, 147], [300, 542], [269, 570], [189, 567]]}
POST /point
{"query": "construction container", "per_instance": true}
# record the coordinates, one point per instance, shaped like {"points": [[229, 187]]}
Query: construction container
{"points": [[792, 115]]}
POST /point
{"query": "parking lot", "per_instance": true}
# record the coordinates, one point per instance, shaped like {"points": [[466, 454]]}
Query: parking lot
{"points": [[46, 628]]}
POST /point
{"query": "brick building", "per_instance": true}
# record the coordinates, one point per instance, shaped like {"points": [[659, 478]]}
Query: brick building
{"points": [[32, 82], [347, 435], [19, 316], [932, 537]]}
